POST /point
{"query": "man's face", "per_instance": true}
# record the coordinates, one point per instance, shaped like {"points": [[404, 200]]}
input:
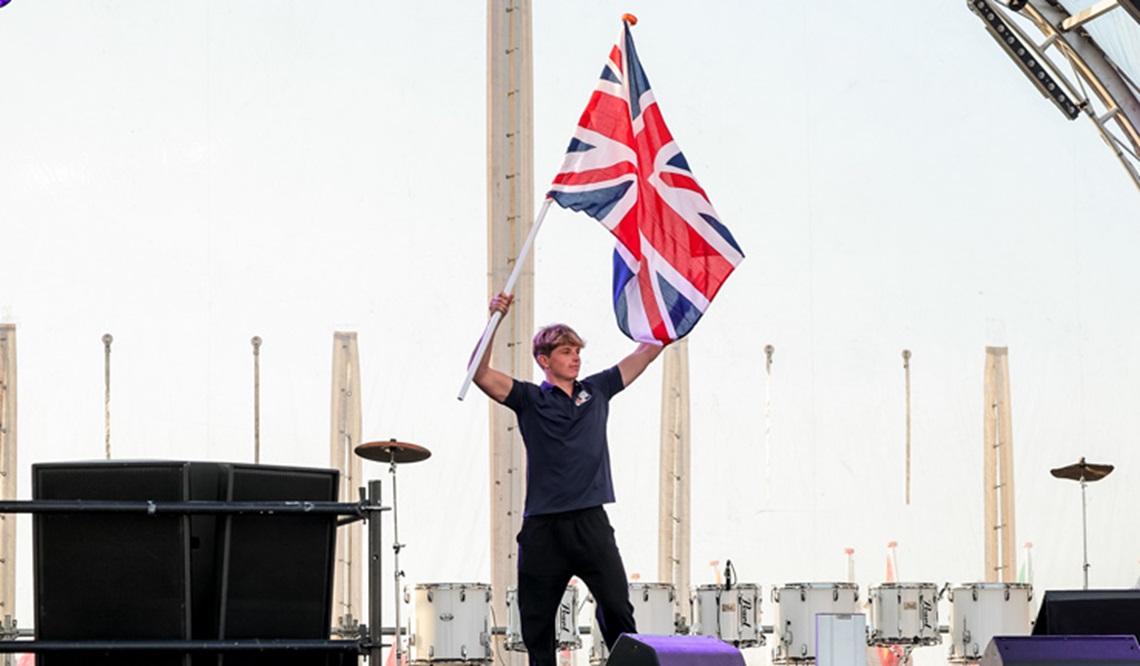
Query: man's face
{"points": [[562, 363]]}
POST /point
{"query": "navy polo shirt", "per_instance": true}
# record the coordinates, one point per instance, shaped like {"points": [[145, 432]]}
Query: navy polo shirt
{"points": [[568, 457]]}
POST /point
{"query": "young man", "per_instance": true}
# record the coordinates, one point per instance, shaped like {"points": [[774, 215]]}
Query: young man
{"points": [[565, 531]]}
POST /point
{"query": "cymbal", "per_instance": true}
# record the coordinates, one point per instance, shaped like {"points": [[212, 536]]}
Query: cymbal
{"points": [[1082, 470], [392, 451]]}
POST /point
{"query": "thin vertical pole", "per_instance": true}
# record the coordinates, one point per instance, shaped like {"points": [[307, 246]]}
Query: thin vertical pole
{"points": [[256, 342], [107, 339], [397, 574], [769, 351], [1085, 530], [906, 368]]}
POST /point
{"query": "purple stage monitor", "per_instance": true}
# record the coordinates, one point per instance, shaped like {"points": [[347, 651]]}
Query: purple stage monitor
{"points": [[646, 650], [1061, 651]]}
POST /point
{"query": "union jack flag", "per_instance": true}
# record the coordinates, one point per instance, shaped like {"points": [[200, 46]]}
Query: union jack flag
{"points": [[624, 169]]}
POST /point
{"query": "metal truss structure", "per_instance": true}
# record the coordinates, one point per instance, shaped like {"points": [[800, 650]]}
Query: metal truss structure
{"points": [[1070, 68]]}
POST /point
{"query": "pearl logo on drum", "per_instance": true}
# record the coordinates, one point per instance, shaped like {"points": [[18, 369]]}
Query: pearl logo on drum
{"points": [[564, 615], [925, 614], [745, 612]]}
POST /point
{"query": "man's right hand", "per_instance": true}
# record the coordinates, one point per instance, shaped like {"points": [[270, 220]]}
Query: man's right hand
{"points": [[501, 303]]}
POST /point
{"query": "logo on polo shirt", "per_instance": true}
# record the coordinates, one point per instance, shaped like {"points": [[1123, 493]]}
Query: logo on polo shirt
{"points": [[582, 398]]}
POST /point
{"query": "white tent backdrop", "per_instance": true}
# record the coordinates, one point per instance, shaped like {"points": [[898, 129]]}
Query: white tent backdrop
{"points": [[188, 175]]}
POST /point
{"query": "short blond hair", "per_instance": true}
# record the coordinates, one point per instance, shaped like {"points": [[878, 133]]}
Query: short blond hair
{"points": [[554, 336]]}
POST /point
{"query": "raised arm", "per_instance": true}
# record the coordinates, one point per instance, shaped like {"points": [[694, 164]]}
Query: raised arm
{"points": [[633, 365], [497, 385]]}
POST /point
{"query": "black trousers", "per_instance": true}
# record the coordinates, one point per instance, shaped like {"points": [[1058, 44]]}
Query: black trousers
{"points": [[552, 549]]}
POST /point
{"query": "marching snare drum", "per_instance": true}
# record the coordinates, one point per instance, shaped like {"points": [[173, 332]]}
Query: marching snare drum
{"points": [[452, 623], [565, 623], [980, 611], [653, 607], [732, 614], [652, 611], [904, 614], [796, 607]]}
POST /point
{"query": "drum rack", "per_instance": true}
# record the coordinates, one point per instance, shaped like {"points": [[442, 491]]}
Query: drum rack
{"points": [[368, 643]]}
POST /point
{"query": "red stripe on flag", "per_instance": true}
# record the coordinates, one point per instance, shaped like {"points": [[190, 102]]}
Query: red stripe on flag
{"points": [[595, 175], [608, 115], [627, 232], [652, 309], [681, 181], [616, 59], [687, 251], [653, 135]]}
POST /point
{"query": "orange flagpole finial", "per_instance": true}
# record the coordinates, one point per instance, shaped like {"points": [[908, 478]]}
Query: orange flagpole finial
{"points": [[629, 18]]}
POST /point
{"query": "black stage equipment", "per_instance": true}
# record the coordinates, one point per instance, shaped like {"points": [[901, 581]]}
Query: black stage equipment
{"points": [[1061, 651], [645, 650], [1089, 612], [136, 577]]}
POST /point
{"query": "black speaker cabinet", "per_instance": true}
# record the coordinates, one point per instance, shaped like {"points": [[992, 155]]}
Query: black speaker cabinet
{"points": [[646, 650], [105, 576], [1062, 651], [102, 576], [1103, 612], [277, 572]]}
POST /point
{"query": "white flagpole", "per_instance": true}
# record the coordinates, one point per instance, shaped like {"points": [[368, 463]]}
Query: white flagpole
{"points": [[493, 323]]}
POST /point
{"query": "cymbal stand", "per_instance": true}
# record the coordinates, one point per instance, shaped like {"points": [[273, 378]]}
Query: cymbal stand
{"points": [[1085, 473], [1085, 529], [397, 573]]}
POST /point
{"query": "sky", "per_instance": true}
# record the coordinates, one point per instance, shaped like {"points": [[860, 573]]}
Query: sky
{"points": [[186, 176]]}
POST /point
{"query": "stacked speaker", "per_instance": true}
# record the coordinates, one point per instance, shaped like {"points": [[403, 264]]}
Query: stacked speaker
{"points": [[138, 577]]}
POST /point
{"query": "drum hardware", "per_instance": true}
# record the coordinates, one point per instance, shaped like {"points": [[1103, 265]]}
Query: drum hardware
{"points": [[452, 619], [904, 614], [652, 610], [349, 627], [681, 626], [730, 614], [990, 609], [653, 607], [729, 574], [566, 630], [1085, 473], [393, 452], [795, 615]]}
